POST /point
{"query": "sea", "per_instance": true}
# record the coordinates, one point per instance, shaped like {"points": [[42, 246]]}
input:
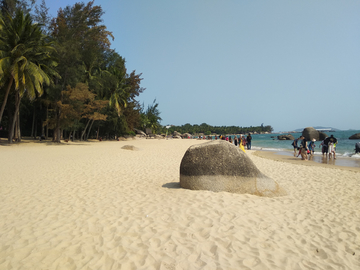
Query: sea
{"points": [[344, 147]]}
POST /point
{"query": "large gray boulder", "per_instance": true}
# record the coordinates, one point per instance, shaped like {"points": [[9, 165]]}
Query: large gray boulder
{"points": [[311, 133], [286, 137], [322, 136], [355, 136], [221, 166]]}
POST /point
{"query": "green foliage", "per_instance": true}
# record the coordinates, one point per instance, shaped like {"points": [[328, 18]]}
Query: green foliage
{"points": [[150, 118], [207, 129], [91, 89], [42, 16], [25, 59], [11, 6]]}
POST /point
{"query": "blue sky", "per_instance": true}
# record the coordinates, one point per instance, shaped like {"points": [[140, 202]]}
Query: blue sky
{"points": [[288, 64]]}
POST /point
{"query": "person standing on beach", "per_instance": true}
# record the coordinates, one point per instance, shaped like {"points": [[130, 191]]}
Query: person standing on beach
{"points": [[324, 148], [235, 141], [295, 144], [243, 141], [248, 141], [357, 147], [311, 146], [331, 142], [303, 148]]}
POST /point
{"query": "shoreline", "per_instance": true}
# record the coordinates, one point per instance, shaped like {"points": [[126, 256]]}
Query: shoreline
{"points": [[316, 160], [277, 155]]}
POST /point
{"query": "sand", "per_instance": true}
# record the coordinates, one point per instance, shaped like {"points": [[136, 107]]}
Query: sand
{"points": [[98, 206]]}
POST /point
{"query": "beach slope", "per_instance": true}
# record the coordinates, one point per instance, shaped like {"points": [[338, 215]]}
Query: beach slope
{"points": [[98, 206]]}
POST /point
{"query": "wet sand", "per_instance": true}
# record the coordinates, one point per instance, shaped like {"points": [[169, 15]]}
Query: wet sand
{"points": [[317, 160], [339, 162]]}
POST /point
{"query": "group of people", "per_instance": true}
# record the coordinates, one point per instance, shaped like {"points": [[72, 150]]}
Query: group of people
{"points": [[241, 140], [328, 147]]}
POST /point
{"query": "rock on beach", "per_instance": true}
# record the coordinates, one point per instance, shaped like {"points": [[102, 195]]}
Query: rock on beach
{"points": [[221, 166]]}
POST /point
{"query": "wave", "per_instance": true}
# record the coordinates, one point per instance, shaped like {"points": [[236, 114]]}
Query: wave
{"points": [[351, 155], [268, 149]]}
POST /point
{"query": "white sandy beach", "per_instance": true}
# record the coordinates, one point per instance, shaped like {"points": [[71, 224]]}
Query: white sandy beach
{"points": [[97, 206]]}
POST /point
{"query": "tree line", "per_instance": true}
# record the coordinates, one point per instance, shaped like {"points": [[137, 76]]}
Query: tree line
{"points": [[59, 77], [208, 129]]}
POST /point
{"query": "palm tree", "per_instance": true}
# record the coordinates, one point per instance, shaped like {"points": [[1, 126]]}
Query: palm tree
{"points": [[119, 93], [25, 59], [151, 117]]}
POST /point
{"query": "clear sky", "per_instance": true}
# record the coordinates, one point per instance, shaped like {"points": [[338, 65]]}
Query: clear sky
{"points": [[288, 64]]}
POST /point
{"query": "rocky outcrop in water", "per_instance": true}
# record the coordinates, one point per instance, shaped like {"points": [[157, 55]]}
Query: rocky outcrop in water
{"points": [[286, 137], [311, 133], [355, 137]]}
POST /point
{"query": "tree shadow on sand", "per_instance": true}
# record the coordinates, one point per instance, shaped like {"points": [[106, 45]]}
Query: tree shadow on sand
{"points": [[64, 143], [47, 143], [172, 185]]}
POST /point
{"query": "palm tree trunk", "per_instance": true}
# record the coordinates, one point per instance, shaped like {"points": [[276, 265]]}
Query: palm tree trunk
{"points": [[18, 130], [84, 131], [35, 133], [17, 107], [56, 137], [42, 130], [5, 98], [33, 124], [47, 121], [87, 137]]}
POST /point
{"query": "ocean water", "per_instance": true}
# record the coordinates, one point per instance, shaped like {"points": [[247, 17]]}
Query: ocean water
{"points": [[344, 147]]}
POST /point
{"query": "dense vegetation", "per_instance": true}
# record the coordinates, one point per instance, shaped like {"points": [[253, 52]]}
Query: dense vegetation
{"points": [[207, 129], [59, 77]]}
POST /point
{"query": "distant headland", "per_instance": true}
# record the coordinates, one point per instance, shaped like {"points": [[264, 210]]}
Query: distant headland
{"points": [[319, 128]]}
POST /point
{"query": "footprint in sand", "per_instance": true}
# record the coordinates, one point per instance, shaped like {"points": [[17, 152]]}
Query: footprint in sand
{"points": [[251, 262], [155, 242], [321, 253]]}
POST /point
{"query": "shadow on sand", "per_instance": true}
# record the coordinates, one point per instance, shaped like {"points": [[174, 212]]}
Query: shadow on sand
{"points": [[24, 141], [173, 185]]}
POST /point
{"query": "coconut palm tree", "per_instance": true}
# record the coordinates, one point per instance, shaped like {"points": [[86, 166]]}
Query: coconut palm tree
{"points": [[25, 59], [151, 117], [119, 93]]}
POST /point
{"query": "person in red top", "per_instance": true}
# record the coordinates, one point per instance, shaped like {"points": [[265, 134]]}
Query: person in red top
{"points": [[243, 141]]}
